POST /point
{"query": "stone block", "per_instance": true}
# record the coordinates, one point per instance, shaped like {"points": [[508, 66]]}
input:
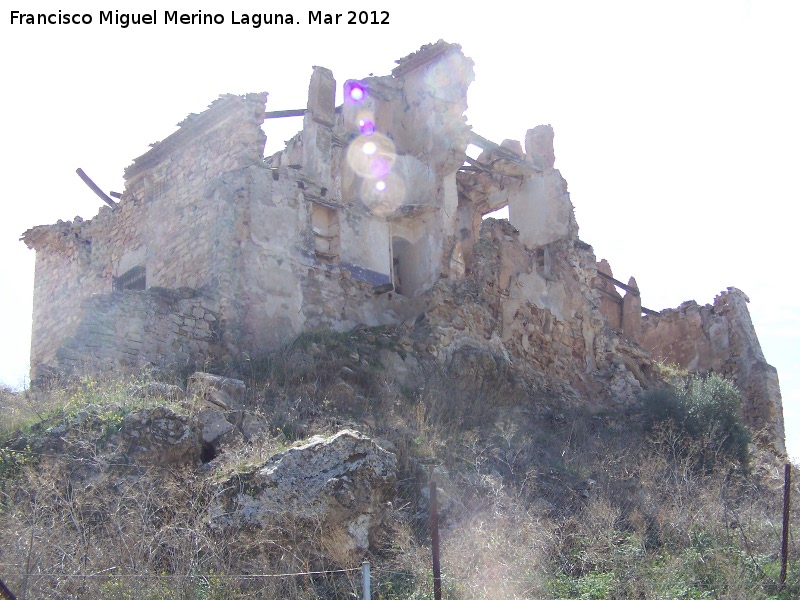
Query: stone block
{"points": [[212, 425], [217, 391]]}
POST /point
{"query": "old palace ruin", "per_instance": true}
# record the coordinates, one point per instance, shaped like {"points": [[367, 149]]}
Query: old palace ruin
{"points": [[372, 214]]}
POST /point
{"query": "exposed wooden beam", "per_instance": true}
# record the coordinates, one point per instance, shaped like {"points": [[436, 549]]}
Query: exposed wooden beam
{"points": [[476, 165], [627, 288], [618, 283], [485, 144], [279, 114], [93, 186]]}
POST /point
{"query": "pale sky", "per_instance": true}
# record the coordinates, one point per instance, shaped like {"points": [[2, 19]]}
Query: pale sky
{"points": [[677, 126]]}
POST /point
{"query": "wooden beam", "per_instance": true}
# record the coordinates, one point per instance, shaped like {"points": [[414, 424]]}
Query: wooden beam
{"points": [[627, 288], [93, 186], [485, 144], [618, 283], [476, 165], [279, 114]]}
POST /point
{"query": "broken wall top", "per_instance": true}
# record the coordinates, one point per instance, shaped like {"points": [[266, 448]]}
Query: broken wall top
{"points": [[225, 117], [420, 107], [56, 236], [425, 55]]}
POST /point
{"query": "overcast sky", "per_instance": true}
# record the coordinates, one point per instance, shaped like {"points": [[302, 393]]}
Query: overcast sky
{"points": [[677, 125]]}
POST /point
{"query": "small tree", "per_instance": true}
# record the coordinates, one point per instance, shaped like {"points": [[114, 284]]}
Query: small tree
{"points": [[708, 410]]}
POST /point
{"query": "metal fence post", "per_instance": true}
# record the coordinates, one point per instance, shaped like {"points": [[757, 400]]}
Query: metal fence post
{"points": [[437, 572], [787, 484], [5, 592], [365, 579]]}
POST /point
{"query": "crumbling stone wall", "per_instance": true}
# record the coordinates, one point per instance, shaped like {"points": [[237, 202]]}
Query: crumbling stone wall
{"points": [[285, 286], [623, 314], [369, 216], [301, 240], [166, 329], [542, 315], [721, 338], [170, 220], [363, 194], [65, 257], [189, 220], [610, 298]]}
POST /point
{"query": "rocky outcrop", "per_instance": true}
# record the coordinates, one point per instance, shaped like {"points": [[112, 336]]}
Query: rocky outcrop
{"points": [[159, 437], [212, 420], [336, 488]]}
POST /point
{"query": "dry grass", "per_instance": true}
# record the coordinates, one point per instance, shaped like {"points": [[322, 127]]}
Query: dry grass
{"points": [[538, 501]]}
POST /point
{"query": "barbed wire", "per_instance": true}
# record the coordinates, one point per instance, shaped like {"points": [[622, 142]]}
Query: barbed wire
{"points": [[184, 576]]}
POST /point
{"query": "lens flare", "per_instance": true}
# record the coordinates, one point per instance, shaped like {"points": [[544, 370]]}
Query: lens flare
{"points": [[366, 126], [371, 156], [379, 167], [365, 120], [384, 196], [354, 92]]}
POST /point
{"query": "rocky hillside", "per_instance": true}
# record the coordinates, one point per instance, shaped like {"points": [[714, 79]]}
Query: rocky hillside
{"points": [[308, 460]]}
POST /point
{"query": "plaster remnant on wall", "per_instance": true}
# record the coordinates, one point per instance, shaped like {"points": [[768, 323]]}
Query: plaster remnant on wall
{"points": [[372, 214]]}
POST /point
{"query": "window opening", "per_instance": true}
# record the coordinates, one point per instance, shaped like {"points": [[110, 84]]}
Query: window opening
{"points": [[500, 213], [134, 279], [402, 266], [325, 224]]}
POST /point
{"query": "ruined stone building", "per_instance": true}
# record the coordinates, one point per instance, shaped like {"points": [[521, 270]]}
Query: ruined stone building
{"points": [[372, 214]]}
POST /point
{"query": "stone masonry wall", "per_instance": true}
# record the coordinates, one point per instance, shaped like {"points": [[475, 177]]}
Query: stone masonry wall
{"points": [[545, 320], [172, 219], [63, 278], [283, 286], [169, 329], [188, 222]]}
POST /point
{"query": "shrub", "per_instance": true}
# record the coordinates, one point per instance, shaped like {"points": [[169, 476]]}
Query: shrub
{"points": [[708, 410]]}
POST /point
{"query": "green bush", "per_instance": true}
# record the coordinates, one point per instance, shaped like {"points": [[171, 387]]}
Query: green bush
{"points": [[708, 410]]}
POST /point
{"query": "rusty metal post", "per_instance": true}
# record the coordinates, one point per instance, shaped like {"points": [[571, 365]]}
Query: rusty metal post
{"points": [[5, 592], [437, 573], [787, 484]]}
